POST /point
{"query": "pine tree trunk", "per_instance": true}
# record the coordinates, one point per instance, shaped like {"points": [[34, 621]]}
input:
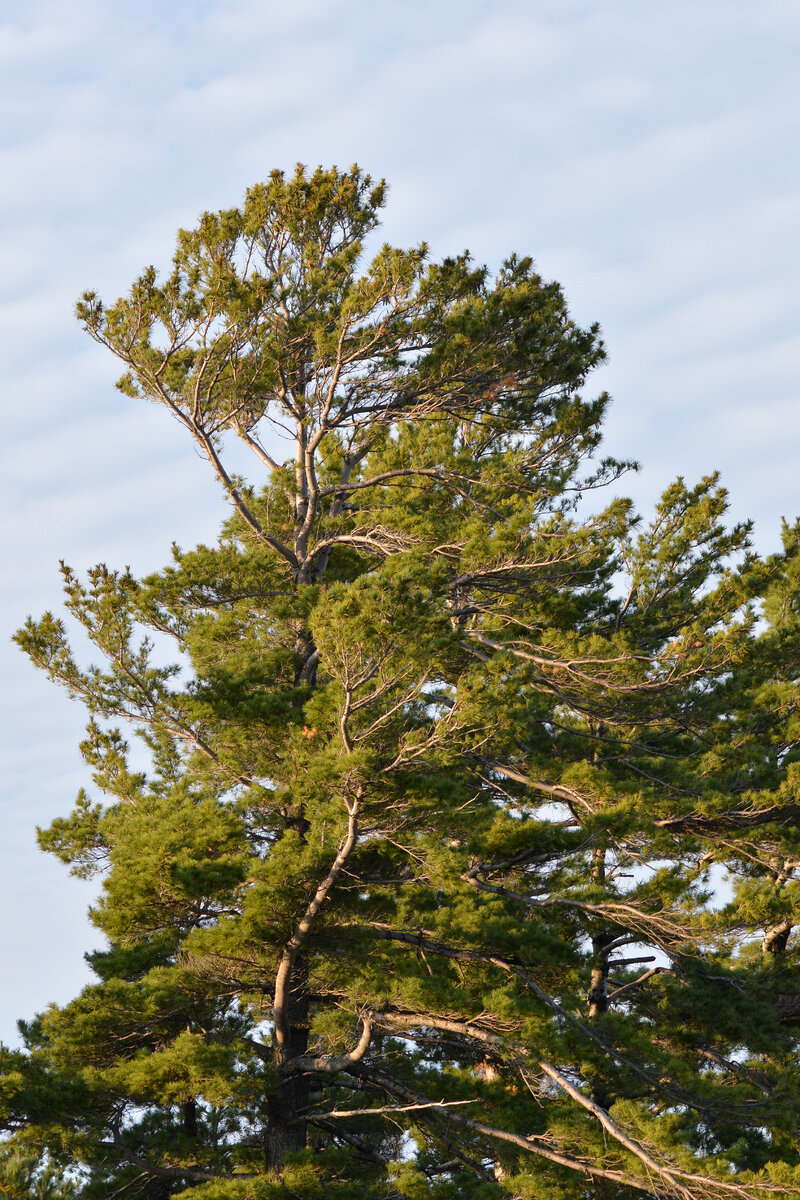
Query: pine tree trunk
{"points": [[287, 1132], [598, 980], [190, 1118]]}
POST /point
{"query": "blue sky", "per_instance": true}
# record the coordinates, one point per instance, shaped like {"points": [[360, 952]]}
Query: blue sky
{"points": [[645, 154]]}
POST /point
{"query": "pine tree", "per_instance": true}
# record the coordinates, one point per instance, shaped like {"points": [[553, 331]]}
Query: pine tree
{"points": [[414, 895]]}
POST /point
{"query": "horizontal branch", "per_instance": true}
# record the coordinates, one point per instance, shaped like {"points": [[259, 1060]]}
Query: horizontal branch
{"points": [[334, 1063], [387, 1108]]}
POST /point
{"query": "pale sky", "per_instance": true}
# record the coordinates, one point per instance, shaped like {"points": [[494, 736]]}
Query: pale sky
{"points": [[645, 154]]}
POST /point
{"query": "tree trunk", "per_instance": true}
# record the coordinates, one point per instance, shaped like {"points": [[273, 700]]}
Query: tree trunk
{"points": [[190, 1118], [598, 983], [286, 1132], [598, 980]]}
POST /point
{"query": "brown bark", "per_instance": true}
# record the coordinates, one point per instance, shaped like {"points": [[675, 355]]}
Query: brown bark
{"points": [[285, 1133], [190, 1118], [598, 980]]}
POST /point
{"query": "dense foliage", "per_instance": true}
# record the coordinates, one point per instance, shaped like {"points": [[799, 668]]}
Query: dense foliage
{"points": [[463, 863]]}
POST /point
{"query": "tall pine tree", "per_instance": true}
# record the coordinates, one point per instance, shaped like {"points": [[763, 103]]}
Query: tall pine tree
{"points": [[415, 896]]}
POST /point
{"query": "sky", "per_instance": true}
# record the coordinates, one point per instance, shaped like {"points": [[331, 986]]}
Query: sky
{"points": [[644, 154]]}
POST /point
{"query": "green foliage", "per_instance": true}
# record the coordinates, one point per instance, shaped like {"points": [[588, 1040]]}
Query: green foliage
{"points": [[415, 893], [24, 1176]]}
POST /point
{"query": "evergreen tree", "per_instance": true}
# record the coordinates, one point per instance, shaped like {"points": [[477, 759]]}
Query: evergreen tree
{"points": [[414, 896], [25, 1177]]}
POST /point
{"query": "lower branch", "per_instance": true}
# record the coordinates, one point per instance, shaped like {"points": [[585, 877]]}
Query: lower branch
{"points": [[388, 1108], [159, 1171], [618, 1134], [658, 1083], [338, 1062], [669, 1181]]}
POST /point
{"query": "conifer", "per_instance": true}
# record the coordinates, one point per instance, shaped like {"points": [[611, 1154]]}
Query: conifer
{"points": [[417, 894]]}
